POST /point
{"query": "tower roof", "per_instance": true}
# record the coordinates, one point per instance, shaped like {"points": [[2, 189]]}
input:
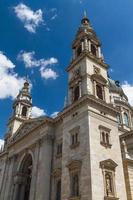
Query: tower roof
{"points": [[86, 31], [24, 94], [85, 20]]}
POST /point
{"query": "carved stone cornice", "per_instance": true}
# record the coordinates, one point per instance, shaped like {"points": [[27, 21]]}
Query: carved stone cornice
{"points": [[74, 165], [101, 127], [90, 99], [82, 56], [57, 173], [111, 198], [108, 164], [99, 78]]}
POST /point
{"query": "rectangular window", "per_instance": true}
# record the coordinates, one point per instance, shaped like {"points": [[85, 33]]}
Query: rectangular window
{"points": [[58, 190], [74, 137], [74, 184], [105, 136], [74, 171]]}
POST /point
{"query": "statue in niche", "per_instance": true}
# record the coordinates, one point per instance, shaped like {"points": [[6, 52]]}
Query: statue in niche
{"points": [[108, 181]]}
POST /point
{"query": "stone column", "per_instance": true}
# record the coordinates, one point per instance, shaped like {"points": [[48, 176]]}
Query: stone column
{"points": [[5, 180], [86, 44], [94, 88], [15, 195], [10, 179], [80, 89], [82, 44], [89, 46], [44, 169], [34, 172], [99, 52]]}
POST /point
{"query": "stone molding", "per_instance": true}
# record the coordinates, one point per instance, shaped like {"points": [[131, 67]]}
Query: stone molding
{"points": [[108, 164], [104, 128], [111, 198], [74, 198], [74, 165], [84, 55]]}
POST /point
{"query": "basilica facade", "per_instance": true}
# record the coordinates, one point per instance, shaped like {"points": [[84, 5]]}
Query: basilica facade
{"points": [[86, 152]]}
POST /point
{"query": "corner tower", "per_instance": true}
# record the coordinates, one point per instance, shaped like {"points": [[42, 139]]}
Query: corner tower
{"points": [[91, 147], [87, 70], [21, 109]]}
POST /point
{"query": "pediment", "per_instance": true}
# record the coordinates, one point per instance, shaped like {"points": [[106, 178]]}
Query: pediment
{"points": [[108, 164], [74, 165], [26, 127], [99, 78]]}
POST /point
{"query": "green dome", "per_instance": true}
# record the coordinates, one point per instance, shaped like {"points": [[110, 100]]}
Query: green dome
{"points": [[114, 87]]}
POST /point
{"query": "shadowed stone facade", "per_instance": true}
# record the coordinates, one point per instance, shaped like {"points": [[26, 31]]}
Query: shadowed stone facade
{"points": [[86, 152]]}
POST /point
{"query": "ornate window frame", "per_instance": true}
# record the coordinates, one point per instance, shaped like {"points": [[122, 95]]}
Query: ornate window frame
{"points": [[99, 80], [105, 138], [57, 177], [126, 119], [108, 170], [74, 137], [74, 167]]}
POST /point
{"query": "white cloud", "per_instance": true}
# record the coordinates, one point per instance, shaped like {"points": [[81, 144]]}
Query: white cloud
{"points": [[1, 143], [37, 112], [30, 61], [10, 82], [48, 74], [128, 89], [54, 114], [31, 19]]}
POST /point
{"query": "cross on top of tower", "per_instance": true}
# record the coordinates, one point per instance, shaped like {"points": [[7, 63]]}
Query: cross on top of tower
{"points": [[85, 20], [85, 13]]}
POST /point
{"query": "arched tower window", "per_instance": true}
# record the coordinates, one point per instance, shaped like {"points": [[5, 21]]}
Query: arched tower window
{"points": [[24, 111], [126, 119], [76, 93], [58, 190], [99, 91], [93, 50]]}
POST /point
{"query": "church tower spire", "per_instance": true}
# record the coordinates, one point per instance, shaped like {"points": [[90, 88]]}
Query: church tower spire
{"points": [[86, 40], [87, 70], [21, 108]]}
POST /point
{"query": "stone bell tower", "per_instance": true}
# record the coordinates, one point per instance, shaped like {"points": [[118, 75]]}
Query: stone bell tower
{"points": [[87, 70], [90, 128], [21, 109]]}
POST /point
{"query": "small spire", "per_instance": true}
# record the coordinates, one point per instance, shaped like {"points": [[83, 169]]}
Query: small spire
{"points": [[85, 20]]}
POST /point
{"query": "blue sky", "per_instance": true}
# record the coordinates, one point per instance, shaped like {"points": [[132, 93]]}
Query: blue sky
{"points": [[35, 40]]}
